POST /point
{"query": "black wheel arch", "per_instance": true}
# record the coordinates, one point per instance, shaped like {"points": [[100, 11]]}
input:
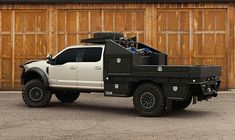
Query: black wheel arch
{"points": [[34, 73], [135, 85]]}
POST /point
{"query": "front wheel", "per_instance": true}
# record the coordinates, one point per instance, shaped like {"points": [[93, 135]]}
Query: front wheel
{"points": [[67, 96], [34, 94], [149, 100]]}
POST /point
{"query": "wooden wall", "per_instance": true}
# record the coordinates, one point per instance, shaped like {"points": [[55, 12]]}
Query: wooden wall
{"points": [[189, 33]]}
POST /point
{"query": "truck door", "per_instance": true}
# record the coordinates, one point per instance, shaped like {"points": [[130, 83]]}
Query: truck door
{"points": [[90, 70], [64, 72]]}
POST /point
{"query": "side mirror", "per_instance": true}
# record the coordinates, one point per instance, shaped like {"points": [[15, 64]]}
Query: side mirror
{"points": [[50, 59]]}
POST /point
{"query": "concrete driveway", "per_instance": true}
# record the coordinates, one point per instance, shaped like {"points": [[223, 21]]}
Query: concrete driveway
{"points": [[97, 117]]}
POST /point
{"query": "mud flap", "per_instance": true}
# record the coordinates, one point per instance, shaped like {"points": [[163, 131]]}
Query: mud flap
{"points": [[168, 105], [194, 99]]}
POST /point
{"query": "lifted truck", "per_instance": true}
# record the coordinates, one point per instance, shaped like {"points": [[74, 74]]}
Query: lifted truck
{"points": [[119, 67]]}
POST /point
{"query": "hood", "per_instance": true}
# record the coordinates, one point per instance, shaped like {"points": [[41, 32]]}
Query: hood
{"points": [[28, 62], [42, 64]]}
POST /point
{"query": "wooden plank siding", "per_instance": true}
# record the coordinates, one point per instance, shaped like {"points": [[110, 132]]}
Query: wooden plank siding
{"points": [[198, 34], [71, 31]]}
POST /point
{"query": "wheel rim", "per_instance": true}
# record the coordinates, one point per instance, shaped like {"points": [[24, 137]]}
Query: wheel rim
{"points": [[36, 94], [147, 100]]}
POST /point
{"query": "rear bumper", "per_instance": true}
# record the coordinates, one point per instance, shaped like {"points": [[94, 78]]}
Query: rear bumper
{"points": [[207, 89]]}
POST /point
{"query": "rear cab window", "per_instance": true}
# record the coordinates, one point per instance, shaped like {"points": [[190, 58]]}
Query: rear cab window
{"points": [[93, 54]]}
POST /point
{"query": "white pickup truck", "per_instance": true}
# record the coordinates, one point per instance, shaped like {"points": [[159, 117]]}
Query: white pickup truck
{"points": [[76, 67], [118, 67]]}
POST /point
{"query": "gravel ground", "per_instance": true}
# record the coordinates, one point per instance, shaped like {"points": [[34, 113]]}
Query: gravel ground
{"points": [[97, 117]]}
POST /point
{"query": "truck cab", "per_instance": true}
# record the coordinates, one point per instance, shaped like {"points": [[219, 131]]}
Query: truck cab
{"points": [[79, 67]]}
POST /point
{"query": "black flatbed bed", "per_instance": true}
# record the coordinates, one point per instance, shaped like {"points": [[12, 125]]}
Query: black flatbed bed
{"points": [[199, 80]]}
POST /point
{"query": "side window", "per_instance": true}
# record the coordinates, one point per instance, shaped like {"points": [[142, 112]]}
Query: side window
{"points": [[69, 55], [92, 54]]}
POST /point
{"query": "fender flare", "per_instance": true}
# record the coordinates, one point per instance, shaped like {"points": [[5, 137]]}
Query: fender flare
{"points": [[40, 72]]}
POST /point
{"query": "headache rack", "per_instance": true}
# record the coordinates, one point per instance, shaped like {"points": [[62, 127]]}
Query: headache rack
{"points": [[118, 46]]}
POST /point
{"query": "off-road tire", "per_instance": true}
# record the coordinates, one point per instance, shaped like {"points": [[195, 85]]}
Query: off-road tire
{"points": [[31, 100], [156, 94], [181, 105], [115, 35], [67, 96]]}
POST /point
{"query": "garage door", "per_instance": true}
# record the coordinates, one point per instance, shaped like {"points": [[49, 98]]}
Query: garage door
{"points": [[195, 37], [23, 37]]}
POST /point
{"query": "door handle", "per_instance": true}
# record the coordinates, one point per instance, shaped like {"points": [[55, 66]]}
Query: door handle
{"points": [[72, 68], [97, 68]]}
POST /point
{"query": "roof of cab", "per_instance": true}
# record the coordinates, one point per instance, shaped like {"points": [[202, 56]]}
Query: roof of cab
{"points": [[86, 46]]}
